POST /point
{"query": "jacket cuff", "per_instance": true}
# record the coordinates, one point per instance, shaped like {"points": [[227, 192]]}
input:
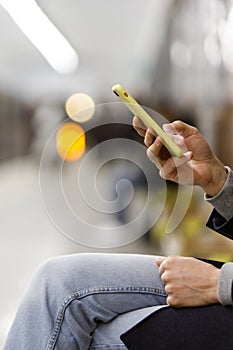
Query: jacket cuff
{"points": [[223, 200], [225, 284]]}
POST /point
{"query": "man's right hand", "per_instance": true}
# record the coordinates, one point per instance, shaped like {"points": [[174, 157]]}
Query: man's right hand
{"points": [[197, 166]]}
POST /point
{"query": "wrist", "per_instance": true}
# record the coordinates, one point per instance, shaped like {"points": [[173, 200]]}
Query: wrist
{"points": [[217, 180], [213, 295]]}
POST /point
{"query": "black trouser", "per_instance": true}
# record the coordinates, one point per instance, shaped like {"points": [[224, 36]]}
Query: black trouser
{"points": [[202, 328]]}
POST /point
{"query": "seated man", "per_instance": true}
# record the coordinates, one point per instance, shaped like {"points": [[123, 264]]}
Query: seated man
{"points": [[86, 301], [205, 327]]}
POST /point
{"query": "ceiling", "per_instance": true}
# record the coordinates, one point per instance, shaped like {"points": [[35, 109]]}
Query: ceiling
{"points": [[166, 47], [117, 41]]}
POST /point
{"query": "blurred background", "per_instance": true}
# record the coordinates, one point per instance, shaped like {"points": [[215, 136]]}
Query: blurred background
{"points": [[59, 59]]}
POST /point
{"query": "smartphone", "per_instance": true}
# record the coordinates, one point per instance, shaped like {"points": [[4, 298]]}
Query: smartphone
{"points": [[137, 110]]}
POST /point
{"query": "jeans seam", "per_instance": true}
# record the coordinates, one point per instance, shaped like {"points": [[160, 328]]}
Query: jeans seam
{"points": [[91, 291], [102, 346]]}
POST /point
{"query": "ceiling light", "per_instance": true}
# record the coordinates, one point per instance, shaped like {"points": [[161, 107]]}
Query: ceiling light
{"points": [[43, 34]]}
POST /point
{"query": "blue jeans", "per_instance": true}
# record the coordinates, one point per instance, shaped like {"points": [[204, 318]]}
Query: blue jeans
{"points": [[85, 301]]}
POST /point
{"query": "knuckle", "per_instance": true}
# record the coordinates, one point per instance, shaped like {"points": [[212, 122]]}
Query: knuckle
{"points": [[149, 152], [162, 174], [165, 277], [172, 259], [168, 289], [195, 130], [170, 300], [166, 263], [173, 301]]}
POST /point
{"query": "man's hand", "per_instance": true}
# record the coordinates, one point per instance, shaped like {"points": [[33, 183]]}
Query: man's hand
{"points": [[197, 166], [188, 281]]}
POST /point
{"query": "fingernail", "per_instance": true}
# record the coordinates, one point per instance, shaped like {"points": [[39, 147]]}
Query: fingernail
{"points": [[166, 127], [188, 155], [161, 173]]}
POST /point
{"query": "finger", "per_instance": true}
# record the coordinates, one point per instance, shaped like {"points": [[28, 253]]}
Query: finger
{"points": [[176, 137], [170, 166], [139, 126], [154, 153], [163, 278], [155, 160], [179, 127], [161, 267], [149, 137], [160, 260], [170, 129], [156, 146], [179, 141]]}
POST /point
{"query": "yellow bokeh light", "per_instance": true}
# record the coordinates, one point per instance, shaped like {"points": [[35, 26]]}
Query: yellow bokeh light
{"points": [[70, 142], [80, 107]]}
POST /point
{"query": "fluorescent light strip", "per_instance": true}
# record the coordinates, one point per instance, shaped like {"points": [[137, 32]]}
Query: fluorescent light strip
{"points": [[43, 34]]}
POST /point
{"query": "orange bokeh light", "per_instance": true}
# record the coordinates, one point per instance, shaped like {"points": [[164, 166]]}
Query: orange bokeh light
{"points": [[70, 142]]}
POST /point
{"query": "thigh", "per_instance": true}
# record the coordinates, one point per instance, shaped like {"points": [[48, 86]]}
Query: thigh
{"points": [[130, 277], [97, 288]]}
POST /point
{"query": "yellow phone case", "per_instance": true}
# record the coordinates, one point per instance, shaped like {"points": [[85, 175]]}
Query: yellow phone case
{"points": [[137, 110]]}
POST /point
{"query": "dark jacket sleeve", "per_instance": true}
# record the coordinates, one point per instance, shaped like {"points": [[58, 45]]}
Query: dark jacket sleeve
{"points": [[187, 328], [220, 225]]}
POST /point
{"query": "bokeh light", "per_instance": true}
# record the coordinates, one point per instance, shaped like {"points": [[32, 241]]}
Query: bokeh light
{"points": [[70, 142], [80, 107], [180, 54]]}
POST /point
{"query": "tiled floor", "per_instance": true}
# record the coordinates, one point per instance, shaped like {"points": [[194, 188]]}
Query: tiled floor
{"points": [[27, 235]]}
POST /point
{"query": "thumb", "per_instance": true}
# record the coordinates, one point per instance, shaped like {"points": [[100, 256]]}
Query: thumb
{"points": [[180, 127]]}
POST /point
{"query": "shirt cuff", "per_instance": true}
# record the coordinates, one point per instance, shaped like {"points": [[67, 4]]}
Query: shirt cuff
{"points": [[225, 284], [223, 201]]}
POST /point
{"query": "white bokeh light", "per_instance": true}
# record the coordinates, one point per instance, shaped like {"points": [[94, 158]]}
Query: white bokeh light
{"points": [[180, 54], [80, 107], [226, 37], [212, 51]]}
